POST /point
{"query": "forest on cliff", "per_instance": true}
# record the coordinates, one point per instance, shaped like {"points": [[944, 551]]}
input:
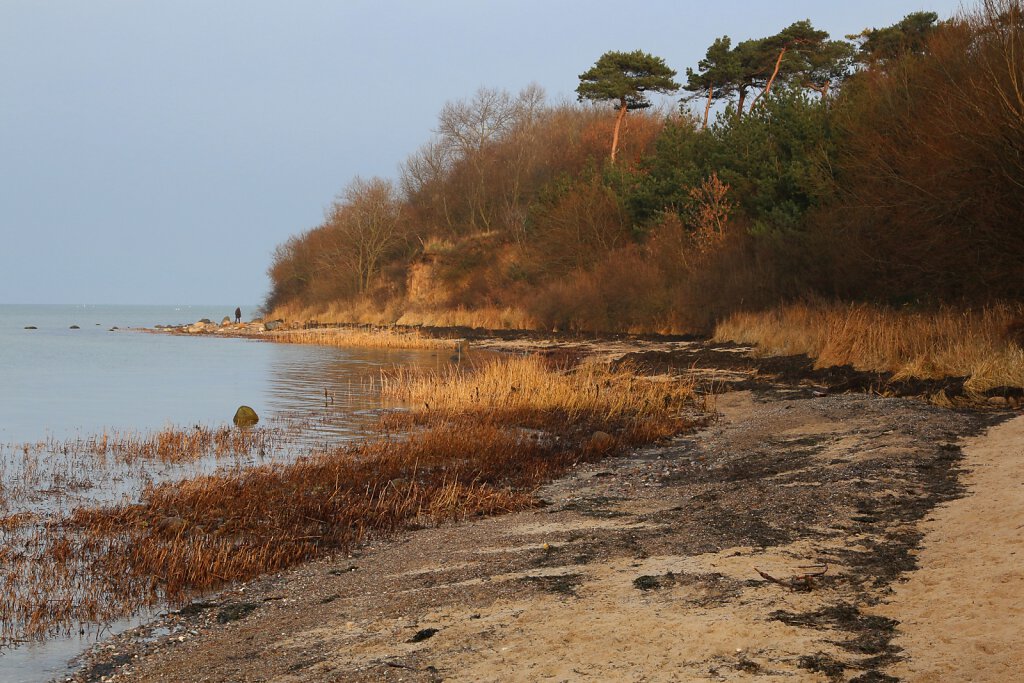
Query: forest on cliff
{"points": [[887, 167]]}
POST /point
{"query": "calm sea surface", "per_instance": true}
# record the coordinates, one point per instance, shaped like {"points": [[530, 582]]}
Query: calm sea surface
{"points": [[66, 383], [62, 382]]}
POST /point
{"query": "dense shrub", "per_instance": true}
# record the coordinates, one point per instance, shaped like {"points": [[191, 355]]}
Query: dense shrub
{"points": [[930, 172]]}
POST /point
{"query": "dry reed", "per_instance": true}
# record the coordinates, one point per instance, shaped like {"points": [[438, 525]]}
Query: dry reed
{"points": [[360, 337], [487, 317], [526, 391], [927, 345]]}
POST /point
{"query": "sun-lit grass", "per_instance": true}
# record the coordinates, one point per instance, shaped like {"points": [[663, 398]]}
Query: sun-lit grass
{"points": [[486, 317], [934, 344], [360, 337], [526, 390]]}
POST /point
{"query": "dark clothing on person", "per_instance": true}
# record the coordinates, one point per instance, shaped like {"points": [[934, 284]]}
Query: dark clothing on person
{"points": [[238, 315]]}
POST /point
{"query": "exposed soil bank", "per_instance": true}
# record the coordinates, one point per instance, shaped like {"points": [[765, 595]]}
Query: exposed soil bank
{"points": [[642, 567]]}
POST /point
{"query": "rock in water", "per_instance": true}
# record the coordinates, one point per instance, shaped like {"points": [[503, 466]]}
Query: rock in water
{"points": [[31, 327], [74, 327], [225, 321], [245, 417]]}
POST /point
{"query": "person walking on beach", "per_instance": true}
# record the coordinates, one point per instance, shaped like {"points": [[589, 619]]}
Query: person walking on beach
{"points": [[238, 315]]}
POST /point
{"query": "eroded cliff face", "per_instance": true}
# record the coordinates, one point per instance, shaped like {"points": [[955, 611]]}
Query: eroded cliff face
{"points": [[424, 289]]}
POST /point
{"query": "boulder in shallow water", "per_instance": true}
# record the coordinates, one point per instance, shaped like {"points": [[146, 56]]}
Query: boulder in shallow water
{"points": [[74, 327], [245, 417], [31, 327]]}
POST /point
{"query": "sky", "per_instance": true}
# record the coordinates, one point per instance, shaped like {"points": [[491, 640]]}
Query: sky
{"points": [[157, 151]]}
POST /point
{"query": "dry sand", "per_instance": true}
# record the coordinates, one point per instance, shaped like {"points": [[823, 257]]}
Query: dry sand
{"points": [[962, 613]]}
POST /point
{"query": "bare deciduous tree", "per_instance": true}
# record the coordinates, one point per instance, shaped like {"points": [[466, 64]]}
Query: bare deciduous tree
{"points": [[367, 226]]}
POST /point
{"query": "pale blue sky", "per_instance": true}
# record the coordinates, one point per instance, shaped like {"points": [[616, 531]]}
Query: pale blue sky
{"points": [[156, 151]]}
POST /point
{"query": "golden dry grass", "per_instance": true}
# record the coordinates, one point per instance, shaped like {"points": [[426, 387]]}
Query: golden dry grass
{"points": [[928, 345], [173, 444], [490, 317], [340, 312], [358, 337], [525, 390]]}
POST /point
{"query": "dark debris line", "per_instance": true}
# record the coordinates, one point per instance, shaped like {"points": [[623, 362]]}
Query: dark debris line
{"points": [[797, 373], [862, 504]]}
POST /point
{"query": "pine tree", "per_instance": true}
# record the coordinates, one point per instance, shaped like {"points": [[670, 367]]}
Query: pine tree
{"points": [[625, 78]]}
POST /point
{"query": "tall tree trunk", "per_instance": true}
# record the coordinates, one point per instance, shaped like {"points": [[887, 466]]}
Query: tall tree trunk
{"points": [[768, 87], [778, 65], [739, 104], [707, 107], [618, 124]]}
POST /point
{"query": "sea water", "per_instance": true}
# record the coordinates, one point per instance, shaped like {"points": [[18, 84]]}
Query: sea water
{"points": [[61, 382], [109, 376]]}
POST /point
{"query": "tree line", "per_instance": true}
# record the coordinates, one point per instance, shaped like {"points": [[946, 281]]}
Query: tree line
{"points": [[885, 167]]}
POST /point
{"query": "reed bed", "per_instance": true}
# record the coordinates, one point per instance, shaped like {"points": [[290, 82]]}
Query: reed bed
{"points": [[487, 317], [478, 441], [176, 445], [372, 338], [50, 572], [978, 344], [528, 392]]}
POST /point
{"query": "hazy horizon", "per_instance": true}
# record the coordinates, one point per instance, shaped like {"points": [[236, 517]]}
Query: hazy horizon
{"points": [[153, 153]]}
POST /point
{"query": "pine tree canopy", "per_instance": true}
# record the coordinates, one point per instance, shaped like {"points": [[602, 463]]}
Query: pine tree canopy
{"points": [[619, 76]]}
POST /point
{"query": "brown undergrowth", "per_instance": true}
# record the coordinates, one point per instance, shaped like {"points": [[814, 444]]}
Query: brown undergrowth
{"points": [[948, 342], [473, 441]]}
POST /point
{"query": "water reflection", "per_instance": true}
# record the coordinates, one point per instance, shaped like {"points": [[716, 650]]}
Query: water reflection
{"points": [[336, 390]]}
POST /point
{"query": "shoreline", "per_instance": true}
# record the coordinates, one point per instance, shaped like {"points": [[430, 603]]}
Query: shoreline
{"points": [[662, 542], [184, 528], [715, 581]]}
